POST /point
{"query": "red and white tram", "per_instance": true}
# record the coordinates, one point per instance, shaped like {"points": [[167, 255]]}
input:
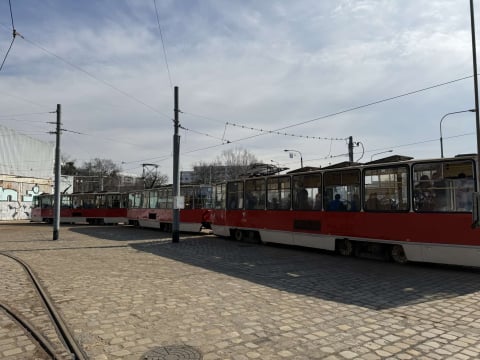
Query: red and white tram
{"points": [[92, 208], [407, 209], [153, 208]]}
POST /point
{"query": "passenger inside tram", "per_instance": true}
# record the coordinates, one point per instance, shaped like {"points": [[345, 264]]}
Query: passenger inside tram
{"points": [[336, 204]]}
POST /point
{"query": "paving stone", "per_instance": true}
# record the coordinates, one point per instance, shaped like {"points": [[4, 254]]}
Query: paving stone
{"points": [[123, 291]]}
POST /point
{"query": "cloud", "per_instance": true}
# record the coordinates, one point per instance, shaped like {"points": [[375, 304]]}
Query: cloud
{"points": [[266, 65]]}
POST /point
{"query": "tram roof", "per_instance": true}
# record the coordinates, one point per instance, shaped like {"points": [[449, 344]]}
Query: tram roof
{"points": [[392, 158]]}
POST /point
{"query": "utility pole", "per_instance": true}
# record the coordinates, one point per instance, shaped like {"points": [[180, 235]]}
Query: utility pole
{"points": [[476, 196], [56, 203], [176, 182], [350, 148]]}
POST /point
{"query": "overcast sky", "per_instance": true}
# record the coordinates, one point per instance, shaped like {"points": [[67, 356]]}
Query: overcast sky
{"points": [[241, 66]]}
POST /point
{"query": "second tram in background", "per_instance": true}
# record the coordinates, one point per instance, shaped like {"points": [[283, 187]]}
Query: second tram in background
{"points": [[151, 208], [91, 208], [397, 207]]}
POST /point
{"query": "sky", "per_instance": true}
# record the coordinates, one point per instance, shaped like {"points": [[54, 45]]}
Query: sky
{"points": [[262, 76]]}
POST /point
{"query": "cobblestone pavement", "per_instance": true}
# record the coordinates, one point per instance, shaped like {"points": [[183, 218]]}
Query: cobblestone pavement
{"points": [[124, 291]]}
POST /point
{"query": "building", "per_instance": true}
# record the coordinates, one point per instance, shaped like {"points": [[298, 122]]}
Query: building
{"points": [[26, 169]]}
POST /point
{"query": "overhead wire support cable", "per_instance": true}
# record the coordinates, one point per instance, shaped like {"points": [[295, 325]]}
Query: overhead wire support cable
{"points": [[14, 35], [200, 133], [11, 14], [284, 133], [376, 102], [276, 131], [94, 77], [163, 44]]}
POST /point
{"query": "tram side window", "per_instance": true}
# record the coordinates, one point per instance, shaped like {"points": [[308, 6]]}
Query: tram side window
{"points": [[443, 186], [89, 201], [116, 201], [255, 194], [202, 197], [47, 201], [77, 201], [235, 195], [135, 200], [189, 199], [386, 189], [278, 193], [162, 198], [153, 199], [100, 201], [169, 196], [307, 193], [36, 202], [220, 198], [113, 201], [66, 201], [342, 190]]}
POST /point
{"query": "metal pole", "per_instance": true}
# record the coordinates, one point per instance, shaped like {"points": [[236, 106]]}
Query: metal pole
{"points": [[299, 153], [57, 205], [441, 120], [476, 196], [475, 84], [350, 149], [383, 152], [176, 183]]}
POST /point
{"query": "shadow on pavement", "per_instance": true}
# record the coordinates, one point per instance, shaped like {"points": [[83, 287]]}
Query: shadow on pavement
{"points": [[119, 233], [362, 282]]}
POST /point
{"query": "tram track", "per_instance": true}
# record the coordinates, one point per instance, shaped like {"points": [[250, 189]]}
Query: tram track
{"points": [[71, 350]]}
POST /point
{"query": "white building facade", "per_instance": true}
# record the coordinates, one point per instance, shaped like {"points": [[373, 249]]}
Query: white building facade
{"points": [[26, 169]]}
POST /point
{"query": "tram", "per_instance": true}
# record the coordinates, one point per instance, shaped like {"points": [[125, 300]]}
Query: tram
{"points": [[397, 207], [92, 208], [153, 208]]}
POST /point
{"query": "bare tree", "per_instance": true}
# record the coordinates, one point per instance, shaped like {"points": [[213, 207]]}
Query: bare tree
{"points": [[99, 175], [230, 164], [68, 165], [154, 180], [237, 162]]}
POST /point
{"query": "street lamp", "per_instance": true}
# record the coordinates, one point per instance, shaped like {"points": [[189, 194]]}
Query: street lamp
{"points": [[383, 152], [291, 155], [441, 120]]}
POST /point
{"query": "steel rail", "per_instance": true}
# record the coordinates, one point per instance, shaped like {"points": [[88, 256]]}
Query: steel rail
{"points": [[62, 330]]}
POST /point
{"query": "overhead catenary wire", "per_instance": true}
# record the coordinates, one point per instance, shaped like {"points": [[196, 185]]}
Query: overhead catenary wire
{"points": [[284, 133], [163, 44], [131, 97], [22, 98], [204, 134], [234, 124], [14, 35], [24, 114], [278, 131], [265, 132]]}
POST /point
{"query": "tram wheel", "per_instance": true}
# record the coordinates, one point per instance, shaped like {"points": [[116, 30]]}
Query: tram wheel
{"points": [[238, 234], [345, 247], [398, 254]]}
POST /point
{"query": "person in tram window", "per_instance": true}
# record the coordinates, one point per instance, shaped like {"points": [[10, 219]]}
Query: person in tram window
{"points": [[372, 202], [302, 199], [318, 201], [336, 204], [355, 203], [463, 194], [250, 200], [439, 188], [423, 195]]}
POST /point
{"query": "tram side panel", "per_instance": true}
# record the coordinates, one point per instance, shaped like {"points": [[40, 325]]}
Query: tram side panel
{"points": [[414, 218]]}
